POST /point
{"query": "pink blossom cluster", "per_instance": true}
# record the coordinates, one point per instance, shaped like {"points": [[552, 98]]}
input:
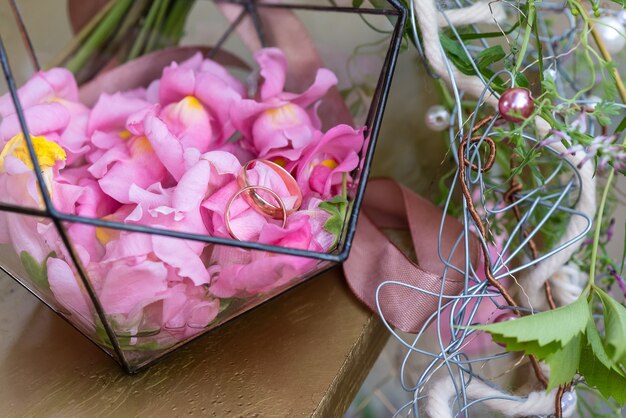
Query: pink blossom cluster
{"points": [[168, 156]]}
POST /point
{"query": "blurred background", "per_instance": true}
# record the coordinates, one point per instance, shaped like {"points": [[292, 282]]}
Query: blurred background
{"points": [[408, 151]]}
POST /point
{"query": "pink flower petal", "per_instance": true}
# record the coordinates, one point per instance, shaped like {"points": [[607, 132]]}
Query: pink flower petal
{"points": [[41, 120], [165, 145], [129, 246], [297, 234], [65, 197], [111, 112], [182, 257], [340, 147], [127, 288], [219, 97], [140, 169], [190, 122], [25, 236], [273, 70], [285, 128], [57, 83], [324, 81], [177, 82], [243, 273], [217, 70], [67, 290]]}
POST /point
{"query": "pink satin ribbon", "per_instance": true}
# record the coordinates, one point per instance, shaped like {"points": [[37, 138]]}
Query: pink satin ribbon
{"points": [[375, 259]]}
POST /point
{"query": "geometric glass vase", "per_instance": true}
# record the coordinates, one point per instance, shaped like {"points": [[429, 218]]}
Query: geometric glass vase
{"points": [[142, 276]]}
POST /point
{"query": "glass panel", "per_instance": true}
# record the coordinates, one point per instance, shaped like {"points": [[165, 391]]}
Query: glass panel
{"points": [[170, 156], [32, 252], [158, 292]]}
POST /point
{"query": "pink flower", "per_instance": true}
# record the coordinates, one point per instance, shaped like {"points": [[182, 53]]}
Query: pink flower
{"points": [[333, 155], [244, 273], [51, 107], [43, 87], [189, 308], [279, 124], [189, 121], [133, 162], [169, 157], [18, 186], [68, 291], [241, 273], [209, 84]]}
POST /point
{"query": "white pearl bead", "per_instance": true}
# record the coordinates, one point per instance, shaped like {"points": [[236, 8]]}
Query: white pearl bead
{"points": [[621, 16], [550, 73], [592, 102], [612, 32], [437, 118], [568, 400]]}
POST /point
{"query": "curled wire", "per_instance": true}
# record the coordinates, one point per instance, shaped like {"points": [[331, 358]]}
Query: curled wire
{"points": [[442, 346]]}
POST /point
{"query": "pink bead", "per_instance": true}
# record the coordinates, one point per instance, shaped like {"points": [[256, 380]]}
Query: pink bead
{"points": [[516, 104], [507, 315]]}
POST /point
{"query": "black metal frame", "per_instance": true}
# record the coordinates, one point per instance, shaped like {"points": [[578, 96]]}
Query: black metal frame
{"points": [[373, 123]]}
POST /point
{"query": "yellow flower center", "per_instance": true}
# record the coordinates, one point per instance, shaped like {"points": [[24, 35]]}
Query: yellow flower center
{"points": [[140, 146], [48, 152], [106, 235], [280, 161], [284, 115], [332, 164], [192, 102]]}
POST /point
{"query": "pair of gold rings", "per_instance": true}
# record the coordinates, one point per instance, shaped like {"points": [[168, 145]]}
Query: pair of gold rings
{"points": [[249, 192]]}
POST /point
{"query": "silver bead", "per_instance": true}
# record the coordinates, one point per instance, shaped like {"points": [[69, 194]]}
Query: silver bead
{"points": [[568, 400], [437, 118], [591, 103], [550, 73], [612, 32]]}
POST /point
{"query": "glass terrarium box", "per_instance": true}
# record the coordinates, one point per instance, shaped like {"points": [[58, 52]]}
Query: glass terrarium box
{"points": [[167, 165]]}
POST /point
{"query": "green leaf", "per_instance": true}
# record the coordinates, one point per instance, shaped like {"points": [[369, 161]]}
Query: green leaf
{"points": [[564, 363], [488, 56], [621, 126], [521, 80], [338, 208], [37, 272], [454, 49], [595, 366], [357, 3], [614, 327], [564, 323], [620, 2], [604, 112], [529, 347], [595, 343], [457, 55]]}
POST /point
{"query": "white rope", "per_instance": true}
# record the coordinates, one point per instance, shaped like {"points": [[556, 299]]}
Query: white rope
{"points": [[443, 391], [479, 12], [428, 19], [533, 279], [440, 394]]}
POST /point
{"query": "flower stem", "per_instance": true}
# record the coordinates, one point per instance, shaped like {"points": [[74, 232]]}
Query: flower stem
{"points": [[84, 32], [606, 55], [100, 34], [153, 41], [176, 19], [146, 28], [530, 18], [120, 45]]}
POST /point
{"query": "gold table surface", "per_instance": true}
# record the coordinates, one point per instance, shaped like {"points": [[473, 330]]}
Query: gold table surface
{"points": [[304, 353]]}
